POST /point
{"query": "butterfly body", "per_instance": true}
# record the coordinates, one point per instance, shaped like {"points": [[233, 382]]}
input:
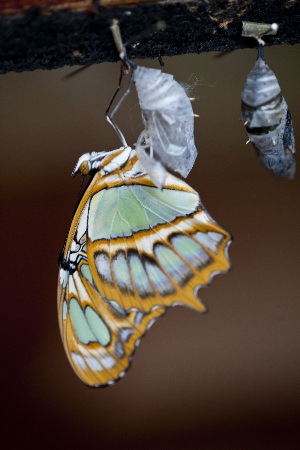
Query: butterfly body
{"points": [[132, 251]]}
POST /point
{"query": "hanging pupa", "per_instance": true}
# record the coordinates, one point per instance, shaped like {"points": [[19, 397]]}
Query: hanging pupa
{"points": [[267, 119]]}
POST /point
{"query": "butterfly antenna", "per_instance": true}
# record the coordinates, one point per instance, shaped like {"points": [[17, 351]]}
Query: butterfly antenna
{"points": [[126, 67], [76, 72]]}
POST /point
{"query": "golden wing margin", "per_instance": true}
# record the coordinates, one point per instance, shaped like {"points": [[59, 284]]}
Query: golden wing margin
{"points": [[106, 377]]}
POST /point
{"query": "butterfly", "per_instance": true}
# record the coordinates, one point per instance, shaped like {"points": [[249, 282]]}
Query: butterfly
{"points": [[132, 251], [267, 117], [140, 240]]}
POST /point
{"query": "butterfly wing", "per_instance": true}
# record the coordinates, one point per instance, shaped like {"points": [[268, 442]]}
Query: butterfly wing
{"points": [[99, 337], [132, 251], [149, 247]]}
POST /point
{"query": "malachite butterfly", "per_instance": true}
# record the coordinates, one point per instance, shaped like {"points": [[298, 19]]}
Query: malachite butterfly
{"points": [[134, 249]]}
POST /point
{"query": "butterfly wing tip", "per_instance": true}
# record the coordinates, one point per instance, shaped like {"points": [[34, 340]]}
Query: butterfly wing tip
{"points": [[203, 307]]}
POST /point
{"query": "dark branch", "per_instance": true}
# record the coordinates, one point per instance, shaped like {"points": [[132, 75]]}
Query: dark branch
{"points": [[47, 37]]}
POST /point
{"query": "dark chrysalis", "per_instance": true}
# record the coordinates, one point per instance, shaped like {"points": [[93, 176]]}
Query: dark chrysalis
{"points": [[267, 119]]}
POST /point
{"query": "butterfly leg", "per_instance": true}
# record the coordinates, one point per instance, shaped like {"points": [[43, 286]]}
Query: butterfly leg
{"points": [[126, 66], [110, 116]]}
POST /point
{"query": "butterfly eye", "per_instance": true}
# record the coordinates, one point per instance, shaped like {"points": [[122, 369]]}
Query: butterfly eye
{"points": [[84, 168]]}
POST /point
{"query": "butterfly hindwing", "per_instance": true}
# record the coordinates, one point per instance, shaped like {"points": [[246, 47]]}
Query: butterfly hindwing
{"points": [[99, 337]]}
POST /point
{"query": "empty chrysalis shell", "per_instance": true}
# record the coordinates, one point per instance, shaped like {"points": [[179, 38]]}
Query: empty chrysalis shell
{"points": [[267, 119], [168, 118]]}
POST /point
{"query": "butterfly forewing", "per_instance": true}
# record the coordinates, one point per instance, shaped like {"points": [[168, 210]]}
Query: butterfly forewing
{"points": [[132, 251], [146, 245]]}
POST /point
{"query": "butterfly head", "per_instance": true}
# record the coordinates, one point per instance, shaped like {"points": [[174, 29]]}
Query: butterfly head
{"points": [[107, 161], [84, 164]]}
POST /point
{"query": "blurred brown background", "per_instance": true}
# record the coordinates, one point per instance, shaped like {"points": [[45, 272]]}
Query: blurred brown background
{"points": [[225, 380]]}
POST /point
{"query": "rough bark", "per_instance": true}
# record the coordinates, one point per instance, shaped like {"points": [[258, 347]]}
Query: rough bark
{"points": [[46, 34]]}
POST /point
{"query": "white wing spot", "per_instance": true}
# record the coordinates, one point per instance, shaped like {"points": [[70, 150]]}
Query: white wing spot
{"points": [[78, 360], [93, 363], [108, 362]]}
